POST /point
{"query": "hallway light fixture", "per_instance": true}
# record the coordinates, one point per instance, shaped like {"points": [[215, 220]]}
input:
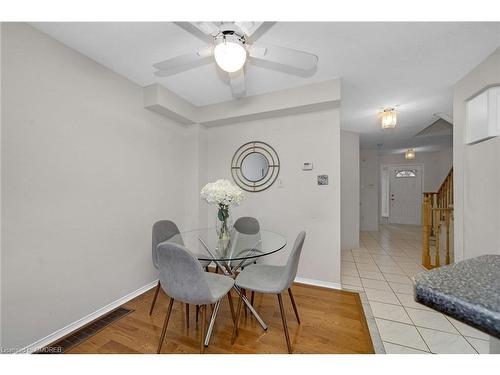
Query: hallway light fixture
{"points": [[410, 154], [389, 118]]}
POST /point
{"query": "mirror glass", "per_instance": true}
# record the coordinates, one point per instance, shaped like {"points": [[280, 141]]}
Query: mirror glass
{"points": [[254, 166]]}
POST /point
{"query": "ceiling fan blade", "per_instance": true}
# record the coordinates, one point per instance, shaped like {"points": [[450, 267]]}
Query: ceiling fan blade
{"points": [[300, 60], [248, 28], [184, 62], [237, 83], [203, 32], [208, 28], [261, 30]]}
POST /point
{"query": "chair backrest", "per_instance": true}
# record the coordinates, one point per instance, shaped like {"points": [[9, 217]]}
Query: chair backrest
{"points": [[181, 275], [293, 261], [246, 238], [247, 225], [162, 231]]}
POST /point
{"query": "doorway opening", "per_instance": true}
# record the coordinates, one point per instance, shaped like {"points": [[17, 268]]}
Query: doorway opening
{"points": [[401, 193]]}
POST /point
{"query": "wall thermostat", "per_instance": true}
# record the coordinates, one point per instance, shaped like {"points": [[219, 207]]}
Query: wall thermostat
{"points": [[307, 166]]}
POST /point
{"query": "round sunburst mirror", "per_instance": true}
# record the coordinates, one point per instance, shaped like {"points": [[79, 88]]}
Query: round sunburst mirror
{"points": [[255, 166]]}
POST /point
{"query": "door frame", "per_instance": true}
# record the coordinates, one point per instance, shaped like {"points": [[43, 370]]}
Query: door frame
{"points": [[399, 165]]}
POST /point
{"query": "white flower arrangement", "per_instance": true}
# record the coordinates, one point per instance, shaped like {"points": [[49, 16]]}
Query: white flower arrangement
{"points": [[222, 192], [225, 194]]}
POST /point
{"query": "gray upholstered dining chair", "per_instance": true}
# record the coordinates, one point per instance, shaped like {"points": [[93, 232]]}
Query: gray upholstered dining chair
{"points": [[247, 225], [246, 237], [183, 279], [164, 230], [269, 279]]}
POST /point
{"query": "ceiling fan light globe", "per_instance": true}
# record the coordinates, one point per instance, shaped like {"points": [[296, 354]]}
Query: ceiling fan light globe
{"points": [[230, 56]]}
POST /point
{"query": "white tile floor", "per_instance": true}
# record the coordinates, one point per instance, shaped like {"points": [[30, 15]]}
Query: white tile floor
{"points": [[383, 267]]}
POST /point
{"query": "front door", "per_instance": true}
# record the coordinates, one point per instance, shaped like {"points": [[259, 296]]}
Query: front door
{"points": [[405, 197]]}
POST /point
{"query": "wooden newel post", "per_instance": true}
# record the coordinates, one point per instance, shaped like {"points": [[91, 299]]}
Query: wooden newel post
{"points": [[426, 212]]}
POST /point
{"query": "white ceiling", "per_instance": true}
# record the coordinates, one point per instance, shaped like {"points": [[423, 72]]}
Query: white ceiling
{"points": [[412, 65]]}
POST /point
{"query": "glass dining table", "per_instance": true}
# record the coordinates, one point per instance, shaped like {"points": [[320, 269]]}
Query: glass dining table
{"points": [[230, 255]]}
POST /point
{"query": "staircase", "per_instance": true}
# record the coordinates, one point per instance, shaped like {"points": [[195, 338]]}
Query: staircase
{"points": [[437, 221]]}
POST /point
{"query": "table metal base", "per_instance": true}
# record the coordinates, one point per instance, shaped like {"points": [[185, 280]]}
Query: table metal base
{"points": [[231, 272], [216, 311]]}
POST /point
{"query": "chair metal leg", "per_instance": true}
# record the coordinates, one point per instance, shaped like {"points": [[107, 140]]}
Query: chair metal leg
{"points": [[212, 322], [154, 298], [165, 324], [244, 307], [294, 305], [187, 315], [238, 313], [285, 327], [202, 330], [231, 306], [252, 297], [197, 312]]}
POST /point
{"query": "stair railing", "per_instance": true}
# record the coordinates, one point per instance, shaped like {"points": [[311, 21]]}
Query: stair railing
{"points": [[437, 208]]}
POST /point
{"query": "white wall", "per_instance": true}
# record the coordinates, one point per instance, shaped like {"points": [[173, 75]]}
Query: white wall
{"points": [[301, 204], [349, 192], [85, 172], [369, 195], [1, 241], [436, 164], [476, 172]]}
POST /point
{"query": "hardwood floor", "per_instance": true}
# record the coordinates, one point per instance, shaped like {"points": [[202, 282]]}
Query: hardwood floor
{"points": [[332, 321]]}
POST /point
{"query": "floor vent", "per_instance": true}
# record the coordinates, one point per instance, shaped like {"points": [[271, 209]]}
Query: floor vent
{"points": [[63, 345]]}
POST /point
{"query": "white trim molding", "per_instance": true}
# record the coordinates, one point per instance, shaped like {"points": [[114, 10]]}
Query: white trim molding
{"points": [[85, 320], [324, 284]]}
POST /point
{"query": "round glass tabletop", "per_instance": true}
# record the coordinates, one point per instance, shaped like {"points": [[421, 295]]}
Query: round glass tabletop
{"points": [[206, 245]]}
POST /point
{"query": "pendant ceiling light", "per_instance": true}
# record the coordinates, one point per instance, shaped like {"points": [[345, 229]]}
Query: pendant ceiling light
{"points": [[389, 118], [410, 154], [230, 53]]}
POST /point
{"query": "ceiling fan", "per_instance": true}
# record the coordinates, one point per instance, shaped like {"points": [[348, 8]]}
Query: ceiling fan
{"points": [[231, 45]]}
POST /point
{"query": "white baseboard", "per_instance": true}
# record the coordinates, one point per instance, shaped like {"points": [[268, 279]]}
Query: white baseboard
{"points": [[324, 284], [85, 320]]}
